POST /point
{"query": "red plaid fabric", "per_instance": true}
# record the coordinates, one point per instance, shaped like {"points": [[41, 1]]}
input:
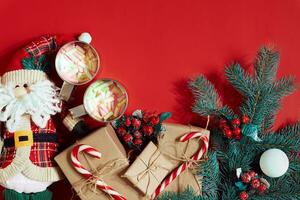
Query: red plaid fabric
{"points": [[42, 153], [43, 45]]}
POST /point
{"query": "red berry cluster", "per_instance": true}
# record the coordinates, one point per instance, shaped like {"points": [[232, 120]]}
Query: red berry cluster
{"points": [[244, 195], [232, 129], [252, 179], [136, 131], [248, 176]]}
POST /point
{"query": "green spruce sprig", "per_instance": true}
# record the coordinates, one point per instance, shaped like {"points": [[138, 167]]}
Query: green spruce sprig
{"points": [[262, 94]]}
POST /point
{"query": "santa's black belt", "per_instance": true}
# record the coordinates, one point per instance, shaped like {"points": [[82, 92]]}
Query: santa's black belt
{"points": [[37, 137]]}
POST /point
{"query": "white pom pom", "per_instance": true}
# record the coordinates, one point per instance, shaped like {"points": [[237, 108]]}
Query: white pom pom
{"points": [[274, 163], [85, 37]]}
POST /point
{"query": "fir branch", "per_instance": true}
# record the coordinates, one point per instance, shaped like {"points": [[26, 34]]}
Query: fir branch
{"points": [[290, 136], [226, 112], [205, 93], [290, 129], [278, 196], [237, 152], [266, 65], [267, 123], [234, 153], [189, 194], [229, 192], [210, 173], [207, 99], [284, 142], [263, 106], [265, 100], [241, 80], [270, 101], [262, 96], [284, 86], [217, 143], [294, 166]]}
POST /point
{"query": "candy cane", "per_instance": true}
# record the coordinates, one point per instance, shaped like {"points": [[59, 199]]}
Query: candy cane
{"points": [[87, 174], [176, 172]]}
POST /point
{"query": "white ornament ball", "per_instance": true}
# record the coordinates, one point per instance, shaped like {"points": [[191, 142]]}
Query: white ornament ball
{"points": [[274, 163], [85, 37]]}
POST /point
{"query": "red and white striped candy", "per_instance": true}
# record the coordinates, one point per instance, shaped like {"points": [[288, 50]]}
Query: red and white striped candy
{"points": [[176, 172], [87, 174]]}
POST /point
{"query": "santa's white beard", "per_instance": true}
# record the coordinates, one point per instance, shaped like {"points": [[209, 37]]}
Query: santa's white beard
{"points": [[40, 103]]}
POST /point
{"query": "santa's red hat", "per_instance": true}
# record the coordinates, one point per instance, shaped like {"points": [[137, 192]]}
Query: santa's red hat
{"points": [[31, 63]]}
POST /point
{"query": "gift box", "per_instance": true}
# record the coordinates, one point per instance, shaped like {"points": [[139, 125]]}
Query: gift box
{"points": [[149, 169], [179, 151], [109, 168]]}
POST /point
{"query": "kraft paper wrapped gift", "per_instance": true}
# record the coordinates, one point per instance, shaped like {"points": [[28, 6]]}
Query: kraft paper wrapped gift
{"points": [[169, 144], [110, 167], [149, 169]]}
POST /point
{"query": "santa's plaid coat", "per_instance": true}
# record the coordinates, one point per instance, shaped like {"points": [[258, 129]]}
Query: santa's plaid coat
{"points": [[42, 152]]}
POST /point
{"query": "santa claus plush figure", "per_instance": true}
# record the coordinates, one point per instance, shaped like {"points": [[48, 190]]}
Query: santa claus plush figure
{"points": [[28, 99]]}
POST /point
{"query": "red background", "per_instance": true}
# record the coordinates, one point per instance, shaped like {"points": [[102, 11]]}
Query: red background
{"points": [[154, 47]]}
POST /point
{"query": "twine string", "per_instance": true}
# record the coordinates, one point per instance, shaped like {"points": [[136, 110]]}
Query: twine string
{"points": [[151, 166]]}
